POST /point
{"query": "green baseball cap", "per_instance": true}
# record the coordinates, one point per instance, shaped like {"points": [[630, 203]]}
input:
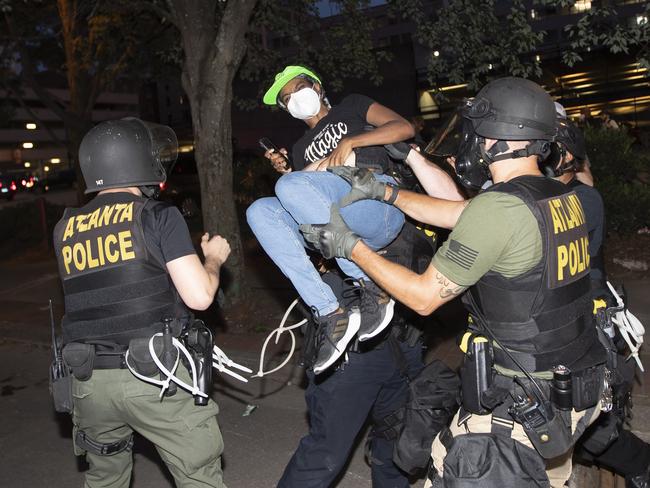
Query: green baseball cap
{"points": [[282, 78]]}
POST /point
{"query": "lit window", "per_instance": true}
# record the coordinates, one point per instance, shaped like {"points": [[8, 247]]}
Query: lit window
{"points": [[641, 19], [582, 5], [538, 58], [28, 164], [55, 160], [30, 126], [46, 169], [28, 145], [533, 14]]}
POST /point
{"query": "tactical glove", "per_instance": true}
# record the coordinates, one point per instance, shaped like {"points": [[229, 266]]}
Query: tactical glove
{"points": [[363, 182], [333, 240]]}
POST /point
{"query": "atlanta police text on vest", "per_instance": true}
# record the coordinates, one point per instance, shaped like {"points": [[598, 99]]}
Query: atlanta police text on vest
{"points": [[98, 250]]}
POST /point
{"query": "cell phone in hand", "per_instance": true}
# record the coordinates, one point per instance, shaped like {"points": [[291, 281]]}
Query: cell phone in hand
{"points": [[266, 144]]}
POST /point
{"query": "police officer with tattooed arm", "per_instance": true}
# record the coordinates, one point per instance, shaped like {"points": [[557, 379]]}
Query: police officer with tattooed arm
{"points": [[533, 372], [129, 270]]}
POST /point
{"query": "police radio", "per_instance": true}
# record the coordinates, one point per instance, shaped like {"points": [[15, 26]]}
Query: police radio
{"points": [[546, 428]]}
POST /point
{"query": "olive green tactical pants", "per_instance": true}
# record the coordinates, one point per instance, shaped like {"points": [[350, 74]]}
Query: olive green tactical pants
{"points": [[114, 403]]}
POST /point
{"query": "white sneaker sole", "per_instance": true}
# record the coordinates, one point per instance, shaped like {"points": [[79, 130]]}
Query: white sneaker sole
{"points": [[390, 311], [353, 327]]}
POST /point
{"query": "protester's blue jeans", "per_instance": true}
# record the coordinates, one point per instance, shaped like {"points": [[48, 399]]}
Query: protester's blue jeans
{"points": [[305, 197]]}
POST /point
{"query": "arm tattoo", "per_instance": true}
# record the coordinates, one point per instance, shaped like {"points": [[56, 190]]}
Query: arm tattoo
{"points": [[447, 290]]}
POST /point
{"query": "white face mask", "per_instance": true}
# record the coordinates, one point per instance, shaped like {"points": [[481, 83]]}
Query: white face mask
{"points": [[304, 104]]}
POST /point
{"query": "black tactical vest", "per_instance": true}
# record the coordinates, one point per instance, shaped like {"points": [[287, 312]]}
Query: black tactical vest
{"points": [[543, 317], [114, 288]]}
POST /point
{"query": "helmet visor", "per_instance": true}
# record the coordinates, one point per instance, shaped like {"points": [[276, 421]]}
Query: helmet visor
{"points": [[447, 140], [164, 145]]}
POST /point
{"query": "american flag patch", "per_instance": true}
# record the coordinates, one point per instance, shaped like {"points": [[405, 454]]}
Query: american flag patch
{"points": [[460, 254]]}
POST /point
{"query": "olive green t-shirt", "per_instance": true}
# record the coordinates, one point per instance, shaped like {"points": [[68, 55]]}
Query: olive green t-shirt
{"points": [[496, 232]]}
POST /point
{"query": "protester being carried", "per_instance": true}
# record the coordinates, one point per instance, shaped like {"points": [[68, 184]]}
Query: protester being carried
{"points": [[336, 135]]}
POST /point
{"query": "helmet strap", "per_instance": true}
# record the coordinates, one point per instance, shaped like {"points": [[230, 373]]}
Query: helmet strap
{"points": [[151, 191], [535, 148]]}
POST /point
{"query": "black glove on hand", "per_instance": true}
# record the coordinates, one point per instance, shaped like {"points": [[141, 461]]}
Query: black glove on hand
{"points": [[364, 185], [333, 240]]}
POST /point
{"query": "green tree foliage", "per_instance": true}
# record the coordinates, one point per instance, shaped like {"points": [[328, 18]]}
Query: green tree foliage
{"points": [[472, 41], [620, 169]]}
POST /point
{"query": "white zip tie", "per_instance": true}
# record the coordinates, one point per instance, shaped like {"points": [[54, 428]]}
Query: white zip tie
{"points": [[164, 384], [629, 326], [219, 357], [278, 332]]}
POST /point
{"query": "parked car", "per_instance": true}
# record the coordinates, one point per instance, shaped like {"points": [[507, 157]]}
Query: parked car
{"points": [[8, 187]]}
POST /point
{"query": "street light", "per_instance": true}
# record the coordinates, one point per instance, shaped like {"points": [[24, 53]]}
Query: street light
{"points": [[436, 53], [28, 164], [46, 168], [30, 126], [28, 145], [55, 160]]}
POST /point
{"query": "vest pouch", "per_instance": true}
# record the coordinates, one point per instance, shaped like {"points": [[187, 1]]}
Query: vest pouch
{"points": [[80, 358], [140, 358], [486, 460], [587, 386], [61, 387]]}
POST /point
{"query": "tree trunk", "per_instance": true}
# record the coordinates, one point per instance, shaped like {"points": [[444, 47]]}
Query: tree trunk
{"points": [[213, 52], [213, 151]]}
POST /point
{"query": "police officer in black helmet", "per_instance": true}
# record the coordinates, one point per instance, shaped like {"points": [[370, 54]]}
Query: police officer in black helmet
{"points": [[127, 264], [606, 443], [534, 368]]}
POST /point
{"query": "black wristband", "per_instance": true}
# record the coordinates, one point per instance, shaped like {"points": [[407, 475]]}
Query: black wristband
{"points": [[393, 194]]}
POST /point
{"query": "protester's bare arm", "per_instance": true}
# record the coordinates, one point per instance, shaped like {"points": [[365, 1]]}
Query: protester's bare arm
{"points": [[423, 293], [198, 283], [389, 127], [435, 181]]}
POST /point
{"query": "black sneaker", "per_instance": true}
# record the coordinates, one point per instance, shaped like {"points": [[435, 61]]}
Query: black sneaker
{"points": [[336, 330], [377, 308]]}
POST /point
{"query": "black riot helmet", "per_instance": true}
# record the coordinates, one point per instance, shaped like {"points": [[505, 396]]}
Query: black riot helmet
{"points": [[127, 152], [507, 109], [569, 140]]}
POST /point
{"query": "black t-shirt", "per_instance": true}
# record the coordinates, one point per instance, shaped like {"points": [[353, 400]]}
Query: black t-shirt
{"points": [[592, 204], [343, 120], [165, 230]]}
